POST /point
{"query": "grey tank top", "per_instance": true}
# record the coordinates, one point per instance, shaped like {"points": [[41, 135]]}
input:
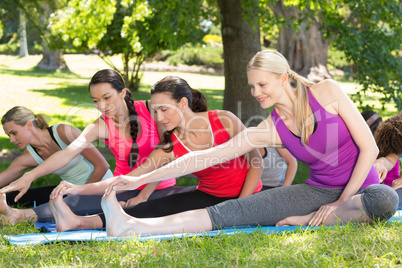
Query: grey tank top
{"points": [[77, 171], [274, 169]]}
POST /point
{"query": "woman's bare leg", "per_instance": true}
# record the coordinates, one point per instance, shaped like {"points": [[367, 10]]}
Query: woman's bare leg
{"points": [[11, 216], [118, 223], [66, 219], [350, 211]]}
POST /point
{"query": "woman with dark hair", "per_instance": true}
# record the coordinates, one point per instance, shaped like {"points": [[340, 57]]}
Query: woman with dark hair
{"points": [[131, 133], [372, 119], [189, 128]]}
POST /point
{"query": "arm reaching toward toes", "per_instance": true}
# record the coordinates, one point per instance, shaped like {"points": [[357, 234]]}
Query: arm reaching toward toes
{"points": [[245, 141]]}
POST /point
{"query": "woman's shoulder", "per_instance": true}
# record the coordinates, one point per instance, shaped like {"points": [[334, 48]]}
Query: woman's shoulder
{"points": [[328, 93], [227, 117], [66, 132], [226, 114], [230, 122], [326, 87], [94, 130]]}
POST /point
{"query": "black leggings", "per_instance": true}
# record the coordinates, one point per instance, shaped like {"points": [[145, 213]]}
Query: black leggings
{"points": [[32, 197], [172, 204]]}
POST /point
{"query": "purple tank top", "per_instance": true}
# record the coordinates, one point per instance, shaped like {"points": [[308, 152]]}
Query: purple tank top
{"points": [[331, 153]]}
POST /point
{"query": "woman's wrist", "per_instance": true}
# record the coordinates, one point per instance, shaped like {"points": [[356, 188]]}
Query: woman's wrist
{"points": [[30, 175]]}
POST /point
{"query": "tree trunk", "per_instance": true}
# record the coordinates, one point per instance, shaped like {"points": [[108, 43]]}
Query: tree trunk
{"points": [[306, 50], [52, 59], [23, 36], [241, 41]]}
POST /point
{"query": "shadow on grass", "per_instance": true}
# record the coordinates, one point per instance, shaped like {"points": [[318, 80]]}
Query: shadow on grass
{"points": [[71, 95], [78, 95], [37, 73]]}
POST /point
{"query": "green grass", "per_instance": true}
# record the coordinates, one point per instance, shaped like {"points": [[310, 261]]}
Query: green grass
{"points": [[63, 97], [351, 245]]}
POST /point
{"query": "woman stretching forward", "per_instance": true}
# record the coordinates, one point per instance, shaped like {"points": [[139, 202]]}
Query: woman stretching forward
{"points": [[190, 128], [131, 133], [31, 132], [319, 125]]}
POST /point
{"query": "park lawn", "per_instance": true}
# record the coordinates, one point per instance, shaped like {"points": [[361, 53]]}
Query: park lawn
{"points": [[63, 97]]}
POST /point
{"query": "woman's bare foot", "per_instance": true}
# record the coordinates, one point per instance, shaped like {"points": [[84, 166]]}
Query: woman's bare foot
{"points": [[11, 216], [118, 223], [296, 220], [66, 219], [7, 215]]}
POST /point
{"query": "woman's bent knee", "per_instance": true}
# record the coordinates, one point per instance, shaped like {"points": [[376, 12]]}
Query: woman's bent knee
{"points": [[380, 202]]}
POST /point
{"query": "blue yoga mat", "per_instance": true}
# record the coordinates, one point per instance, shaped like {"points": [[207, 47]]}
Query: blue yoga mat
{"points": [[100, 235], [48, 227]]}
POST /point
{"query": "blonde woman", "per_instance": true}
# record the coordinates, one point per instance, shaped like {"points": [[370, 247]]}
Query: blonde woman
{"points": [[31, 132]]}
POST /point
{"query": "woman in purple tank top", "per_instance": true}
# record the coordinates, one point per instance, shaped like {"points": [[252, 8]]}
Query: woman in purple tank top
{"points": [[319, 125]]}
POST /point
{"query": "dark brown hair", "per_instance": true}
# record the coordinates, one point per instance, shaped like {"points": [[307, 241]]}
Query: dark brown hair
{"points": [[389, 136], [372, 119], [116, 81], [178, 88]]}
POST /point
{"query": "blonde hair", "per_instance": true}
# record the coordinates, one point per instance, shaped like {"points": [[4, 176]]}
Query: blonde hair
{"points": [[21, 115], [274, 62]]}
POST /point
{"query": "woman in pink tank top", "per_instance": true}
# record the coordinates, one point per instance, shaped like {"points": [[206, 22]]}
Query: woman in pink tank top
{"points": [[131, 133]]}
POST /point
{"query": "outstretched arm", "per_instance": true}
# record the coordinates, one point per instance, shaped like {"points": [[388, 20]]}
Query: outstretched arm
{"points": [[16, 168], [156, 159], [262, 136], [55, 161], [234, 126], [68, 134]]}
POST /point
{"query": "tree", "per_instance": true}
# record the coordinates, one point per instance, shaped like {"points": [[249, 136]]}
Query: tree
{"points": [[37, 12], [53, 58], [23, 36], [241, 41], [301, 41], [133, 29], [369, 32]]}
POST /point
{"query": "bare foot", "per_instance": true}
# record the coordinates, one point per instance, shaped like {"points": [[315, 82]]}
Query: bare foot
{"points": [[296, 220], [7, 215], [64, 217], [118, 223]]}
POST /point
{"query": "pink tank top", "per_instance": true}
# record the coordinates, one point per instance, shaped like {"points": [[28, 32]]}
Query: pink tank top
{"points": [[222, 180], [392, 175], [146, 141]]}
